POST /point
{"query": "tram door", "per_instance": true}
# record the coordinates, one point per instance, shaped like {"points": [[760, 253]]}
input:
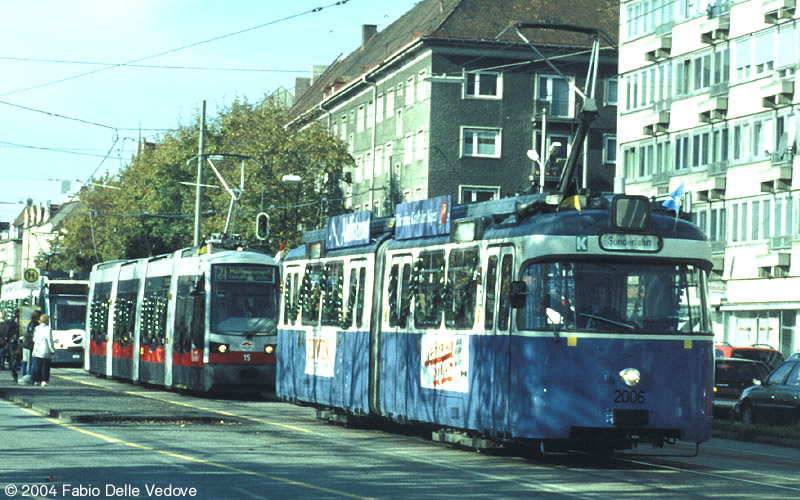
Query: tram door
{"points": [[496, 322], [396, 343]]}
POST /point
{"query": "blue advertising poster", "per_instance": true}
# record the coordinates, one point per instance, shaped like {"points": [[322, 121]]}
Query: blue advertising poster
{"points": [[417, 219], [348, 230]]}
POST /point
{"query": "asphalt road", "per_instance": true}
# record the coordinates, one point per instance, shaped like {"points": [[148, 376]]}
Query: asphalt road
{"points": [[84, 437]]}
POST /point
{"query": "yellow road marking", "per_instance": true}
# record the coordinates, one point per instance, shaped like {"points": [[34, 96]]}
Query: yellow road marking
{"points": [[200, 460], [187, 405]]}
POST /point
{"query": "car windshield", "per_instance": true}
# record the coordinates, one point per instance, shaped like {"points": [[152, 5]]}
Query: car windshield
{"points": [[244, 299], [620, 297]]}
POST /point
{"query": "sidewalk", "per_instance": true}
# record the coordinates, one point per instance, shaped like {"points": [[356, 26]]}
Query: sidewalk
{"points": [[76, 396]]}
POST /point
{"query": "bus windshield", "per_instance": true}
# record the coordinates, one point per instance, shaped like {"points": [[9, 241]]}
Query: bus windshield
{"points": [[244, 299], [617, 297], [68, 313]]}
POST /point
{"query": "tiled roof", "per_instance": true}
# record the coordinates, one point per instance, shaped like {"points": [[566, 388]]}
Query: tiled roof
{"points": [[465, 20]]}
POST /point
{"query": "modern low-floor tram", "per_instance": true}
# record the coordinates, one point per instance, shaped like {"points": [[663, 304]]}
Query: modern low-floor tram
{"points": [[494, 325], [200, 319]]}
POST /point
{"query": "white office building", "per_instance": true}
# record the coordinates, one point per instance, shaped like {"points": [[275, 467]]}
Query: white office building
{"points": [[707, 99]]}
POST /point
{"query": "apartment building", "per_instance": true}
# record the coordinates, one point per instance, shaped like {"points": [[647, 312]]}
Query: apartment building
{"points": [[708, 101], [448, 100]]}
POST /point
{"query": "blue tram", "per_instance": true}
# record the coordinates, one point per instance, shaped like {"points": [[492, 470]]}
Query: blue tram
{"points": [[506, 320], [202, 319]]}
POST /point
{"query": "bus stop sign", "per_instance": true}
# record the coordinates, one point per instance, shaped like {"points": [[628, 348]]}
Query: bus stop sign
{"points": [[31, 277]]}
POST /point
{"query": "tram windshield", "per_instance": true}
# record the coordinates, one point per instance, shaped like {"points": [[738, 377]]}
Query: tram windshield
{"points": [[632, 298], [244, 299], [68, 313]]}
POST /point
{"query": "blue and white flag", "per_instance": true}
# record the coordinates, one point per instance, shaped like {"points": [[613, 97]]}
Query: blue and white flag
{"points": [[674, 200]]}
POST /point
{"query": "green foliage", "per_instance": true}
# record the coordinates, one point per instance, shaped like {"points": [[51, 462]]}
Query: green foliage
{"points": [[153, 211]]}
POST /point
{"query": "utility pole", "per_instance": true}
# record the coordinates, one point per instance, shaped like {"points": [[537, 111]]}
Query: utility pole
{"points": [[199, 189]]}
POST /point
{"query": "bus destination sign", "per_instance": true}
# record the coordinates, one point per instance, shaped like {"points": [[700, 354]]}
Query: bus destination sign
{"points": [[619, 242]]}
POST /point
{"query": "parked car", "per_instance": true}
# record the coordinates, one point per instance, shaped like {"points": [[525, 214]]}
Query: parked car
{"points": [[795, 355], [776, 400], [757, 352], [731, 377]]}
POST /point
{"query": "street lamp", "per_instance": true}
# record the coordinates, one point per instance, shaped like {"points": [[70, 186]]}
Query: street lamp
{"points": [[294, 180], [534, 156]]}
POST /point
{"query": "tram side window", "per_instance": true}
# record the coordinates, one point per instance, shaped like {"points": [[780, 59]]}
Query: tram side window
{"points": [[429, 296], [332, 282], [399, 295], [98, 318], [154, 318], [124, 317], [491, 283], [310, 295], [461, 289], [550, 296], [290, 299], [504, 311], [355, 298]]}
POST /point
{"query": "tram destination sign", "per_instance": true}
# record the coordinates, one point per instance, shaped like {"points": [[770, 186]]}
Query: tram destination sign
{"points": [[621, 242], [417, 219], [348, 230], [245, 273]]}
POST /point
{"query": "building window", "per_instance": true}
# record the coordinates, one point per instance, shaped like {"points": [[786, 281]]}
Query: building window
{"points": [[483, 85], [408, 149], [379, 109], [359, 169], [419, 145], [609, 148], [682, 153], [378, 161], [764, 58], [743, 58], [474, 194], [481, 142], [389, 103], [556, 91], [410, 91], [398, 125], [422, 85], [360, 119], [611, 92]]}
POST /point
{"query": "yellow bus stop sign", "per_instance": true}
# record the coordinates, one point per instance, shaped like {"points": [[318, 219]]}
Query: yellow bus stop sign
{"points": [[31, 277]]}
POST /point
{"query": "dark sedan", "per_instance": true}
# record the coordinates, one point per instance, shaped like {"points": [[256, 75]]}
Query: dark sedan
{"points": [[731, 377], [776, 400]]}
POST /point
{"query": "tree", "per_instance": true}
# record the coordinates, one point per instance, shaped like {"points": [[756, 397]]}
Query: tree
{"points": [[152, 212]]}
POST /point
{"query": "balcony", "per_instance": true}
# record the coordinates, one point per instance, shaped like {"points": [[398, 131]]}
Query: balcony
{"points": [[659, 49], [777, 94], [712, 189], [775, 264], [719, 168], [713, 110], [780, 243], [777, 11], [660, 178], [776, 179], [715, 29], [657, 123]]}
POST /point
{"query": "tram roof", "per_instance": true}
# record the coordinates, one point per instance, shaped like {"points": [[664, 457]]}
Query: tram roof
{"points": [[533, 214]]}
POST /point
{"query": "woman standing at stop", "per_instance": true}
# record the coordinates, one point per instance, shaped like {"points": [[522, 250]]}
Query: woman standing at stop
{"points": [[43, 350]]}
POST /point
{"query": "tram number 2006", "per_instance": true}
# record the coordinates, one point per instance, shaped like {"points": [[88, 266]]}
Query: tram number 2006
{"points": [[629, 397]]}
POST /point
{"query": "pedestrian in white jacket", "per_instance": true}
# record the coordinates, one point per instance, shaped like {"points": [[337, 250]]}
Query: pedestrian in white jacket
{"points": [[43, 350]]}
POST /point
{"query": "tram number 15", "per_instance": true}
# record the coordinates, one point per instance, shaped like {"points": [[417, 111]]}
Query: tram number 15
{"points": [[246, 357], [629, 396]]}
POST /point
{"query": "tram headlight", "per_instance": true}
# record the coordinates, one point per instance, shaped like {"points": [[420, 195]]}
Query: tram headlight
{"points": [[630, 377], [220, 348], [269, 349]]}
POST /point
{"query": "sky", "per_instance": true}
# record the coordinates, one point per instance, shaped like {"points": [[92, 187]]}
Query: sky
{"points": [[82, 80]]}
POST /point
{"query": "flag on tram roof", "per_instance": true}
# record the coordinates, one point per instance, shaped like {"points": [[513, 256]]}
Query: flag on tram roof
{"points": [[571, 198], [674, 200]]}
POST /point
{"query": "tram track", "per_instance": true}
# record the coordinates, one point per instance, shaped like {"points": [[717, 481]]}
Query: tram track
{"points": [[721, 463]]}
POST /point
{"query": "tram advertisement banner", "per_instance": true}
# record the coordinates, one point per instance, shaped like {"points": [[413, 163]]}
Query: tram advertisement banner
{"points": [[422, 218], [445, 362], [320, 353], [348, 230]]}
